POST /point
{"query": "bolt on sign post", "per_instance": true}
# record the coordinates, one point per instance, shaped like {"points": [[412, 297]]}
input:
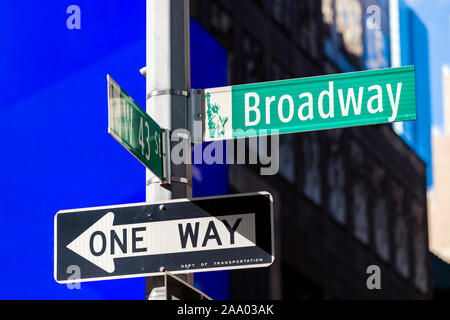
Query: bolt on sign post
{"points": [[134, 128], [309, 104]]}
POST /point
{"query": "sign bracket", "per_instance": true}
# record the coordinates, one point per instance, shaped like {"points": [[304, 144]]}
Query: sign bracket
{"points": [[195, 115], [167, 172], [166, 157], [163, 92]]}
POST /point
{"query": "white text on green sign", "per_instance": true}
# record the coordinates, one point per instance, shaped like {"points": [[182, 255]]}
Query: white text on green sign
{"points": [[134, 128], [308, 104]]}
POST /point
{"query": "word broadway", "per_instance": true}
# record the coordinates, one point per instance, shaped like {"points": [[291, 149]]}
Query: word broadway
{"points": [[314, 103]]}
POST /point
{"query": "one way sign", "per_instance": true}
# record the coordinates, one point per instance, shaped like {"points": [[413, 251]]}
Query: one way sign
{"points": [[137, 240]]}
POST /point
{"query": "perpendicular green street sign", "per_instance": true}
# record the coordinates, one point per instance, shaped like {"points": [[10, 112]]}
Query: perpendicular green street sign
{"points": [[309, 104], [134, 128]]}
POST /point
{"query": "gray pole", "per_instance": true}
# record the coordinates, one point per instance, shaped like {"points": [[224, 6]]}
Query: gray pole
{"points": [[168, 79]]}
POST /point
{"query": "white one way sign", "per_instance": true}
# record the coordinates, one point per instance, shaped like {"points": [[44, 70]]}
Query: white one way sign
{"points": [[181, 235]]}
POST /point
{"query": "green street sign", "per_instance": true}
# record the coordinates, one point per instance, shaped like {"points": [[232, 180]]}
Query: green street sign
{"points": [[134, 128], [308, 104]]}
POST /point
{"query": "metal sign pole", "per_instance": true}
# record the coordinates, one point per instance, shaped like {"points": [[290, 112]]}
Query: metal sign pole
{"points": [[168, 85]]}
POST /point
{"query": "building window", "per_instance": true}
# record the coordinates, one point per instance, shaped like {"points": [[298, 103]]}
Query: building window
{"points": [[253, 60], [359, 193], [281, 11], [420, 246], [220, 20], [312, 186], [276, 71], [328, 11], [359, 209], [350, 25], [336, 176], [287, 157], [400, 230], [380, 213], [307, 27], [343, 43]]}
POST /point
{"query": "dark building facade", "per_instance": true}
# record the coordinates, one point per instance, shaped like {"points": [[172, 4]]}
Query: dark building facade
{"points": [[345, 199]]}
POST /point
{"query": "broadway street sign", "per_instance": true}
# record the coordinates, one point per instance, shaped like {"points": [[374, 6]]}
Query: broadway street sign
{"points": [[307, 104], [137, 240], [134, 128]]}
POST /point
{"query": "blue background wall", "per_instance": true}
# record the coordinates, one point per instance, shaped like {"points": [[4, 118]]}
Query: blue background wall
{"points": [[55, 150]]}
